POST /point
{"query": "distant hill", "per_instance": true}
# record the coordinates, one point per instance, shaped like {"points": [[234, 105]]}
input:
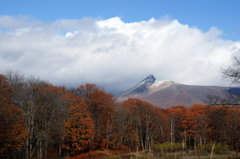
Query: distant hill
{"points": [[169, 93]]}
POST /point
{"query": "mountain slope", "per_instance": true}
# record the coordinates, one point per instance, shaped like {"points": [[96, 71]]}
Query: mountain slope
{"points": [[169, 93], [141, 87]]}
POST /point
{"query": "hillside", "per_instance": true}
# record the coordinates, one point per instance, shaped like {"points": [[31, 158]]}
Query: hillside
{"points": [[170, 93]]}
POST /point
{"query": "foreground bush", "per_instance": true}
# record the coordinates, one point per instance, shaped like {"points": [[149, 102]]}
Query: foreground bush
{"points": [[218, 148], [168, 147]]}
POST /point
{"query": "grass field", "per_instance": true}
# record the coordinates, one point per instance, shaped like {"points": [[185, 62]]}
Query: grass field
{"points": [[175, 155]]}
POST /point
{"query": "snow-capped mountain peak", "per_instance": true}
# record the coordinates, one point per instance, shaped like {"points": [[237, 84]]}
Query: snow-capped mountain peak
{"points": [[158, 85], [168, 93], [148, 84]]}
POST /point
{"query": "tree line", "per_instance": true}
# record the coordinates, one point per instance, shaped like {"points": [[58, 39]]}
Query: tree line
{"points": [[38, 119]]}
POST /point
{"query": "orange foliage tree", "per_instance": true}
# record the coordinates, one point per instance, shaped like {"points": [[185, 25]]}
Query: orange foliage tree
{"points": [[148, 121], [176, 115], [44, 110], [78, 126], [196, 124], [217, 123], [232, 122], [101, 108], [12, 130], [124, 135]]}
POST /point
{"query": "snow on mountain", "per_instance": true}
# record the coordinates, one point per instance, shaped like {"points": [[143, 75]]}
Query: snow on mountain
{"points": [[158, 85], [141, 87], [146, 86], [168, 93]]}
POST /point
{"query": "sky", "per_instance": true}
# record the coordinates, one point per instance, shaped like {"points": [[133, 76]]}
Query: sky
{"points": [[115, 44]]}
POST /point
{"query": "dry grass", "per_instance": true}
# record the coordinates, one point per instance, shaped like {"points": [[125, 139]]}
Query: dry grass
{"points": [[174, 155], [107, 154], [98, 154]]}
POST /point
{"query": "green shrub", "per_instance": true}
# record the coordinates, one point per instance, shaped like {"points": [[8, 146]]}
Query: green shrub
{"points": [[218, 148], [168, 147]]}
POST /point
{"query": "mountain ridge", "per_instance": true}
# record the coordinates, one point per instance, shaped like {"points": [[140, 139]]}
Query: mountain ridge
{"points": [[168, 93]]}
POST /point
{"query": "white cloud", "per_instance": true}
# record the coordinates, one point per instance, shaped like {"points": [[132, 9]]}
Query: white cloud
{"points": [[112, 53]]}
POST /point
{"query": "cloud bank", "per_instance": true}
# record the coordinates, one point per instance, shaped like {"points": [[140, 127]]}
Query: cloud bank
{"points": [[112, 53]]}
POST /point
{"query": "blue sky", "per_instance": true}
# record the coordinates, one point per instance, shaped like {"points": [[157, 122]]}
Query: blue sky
{"points": [[203, 14], [117, 43]]}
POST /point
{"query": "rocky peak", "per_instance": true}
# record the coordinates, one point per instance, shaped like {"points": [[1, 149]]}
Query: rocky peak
{"points": [[150, 79]]}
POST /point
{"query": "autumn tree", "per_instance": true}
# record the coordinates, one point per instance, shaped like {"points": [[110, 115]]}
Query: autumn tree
{"points": [[43, 105], [217, 123], [48, 103], [196, 124], [78, 126], [101, 108], [124, 135], [12, 128], [176, 115], [232, 121], [149, 122]]}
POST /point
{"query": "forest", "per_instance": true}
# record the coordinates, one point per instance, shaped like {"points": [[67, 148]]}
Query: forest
{"points": [[40, 120]]}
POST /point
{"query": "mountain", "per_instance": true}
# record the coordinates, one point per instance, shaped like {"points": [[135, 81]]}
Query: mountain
{"points": [[169, 93]]}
